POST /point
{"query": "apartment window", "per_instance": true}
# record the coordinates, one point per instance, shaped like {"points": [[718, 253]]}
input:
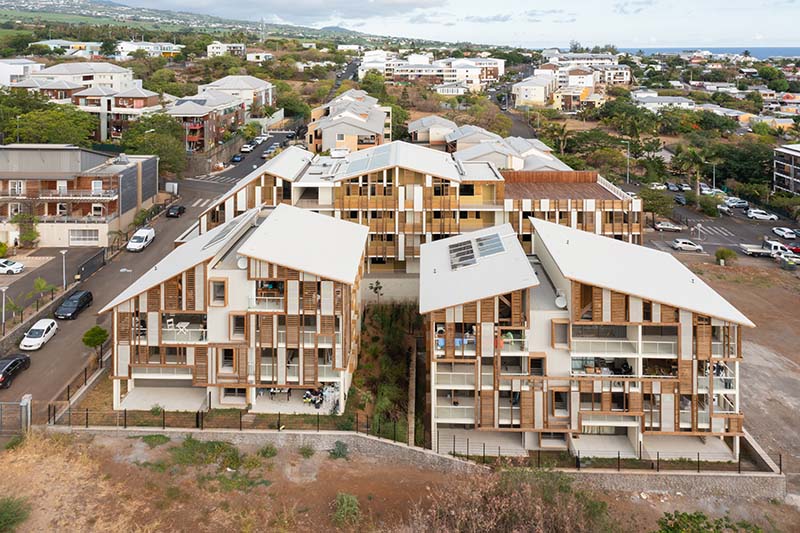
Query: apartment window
{"points": [[219, 292], [230, 393], [560, 403], [61, 209], [97, 210], [647, 311], [61, 186], [14, 208], [340, 136], [16, 187], [560, 333], [78, 237], [237, 325], [97, 186], [226, 360], [466, 190]]}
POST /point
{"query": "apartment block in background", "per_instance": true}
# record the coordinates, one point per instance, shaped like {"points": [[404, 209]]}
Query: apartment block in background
{"points": [[254, 92], [78, 195], [216, 49], [408, 195], [207, 117], [88, 74], [351, 121], [116, 110], [534, 91], [269, 300], [14, 70], [431, 130], [588, 344], [786, 169]]}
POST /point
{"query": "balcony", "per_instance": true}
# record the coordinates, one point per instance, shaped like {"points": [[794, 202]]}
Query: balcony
{"points": [[151, 372], [718, 349], [184, 333], [327, 373], [88, 219], [659, 347], [464, 346], [456, 379], [603, 346], [266, 303], [89, 194]]}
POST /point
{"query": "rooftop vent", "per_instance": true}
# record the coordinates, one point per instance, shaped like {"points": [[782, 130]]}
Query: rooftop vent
{"points": [[122, 159]]}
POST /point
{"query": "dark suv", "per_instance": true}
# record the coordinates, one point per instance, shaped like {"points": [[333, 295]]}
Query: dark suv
{"points": [[11, 366], [73, 304]]}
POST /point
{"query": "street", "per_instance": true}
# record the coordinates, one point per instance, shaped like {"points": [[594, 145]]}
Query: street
{"points": [[62, 358], [237, 171]]}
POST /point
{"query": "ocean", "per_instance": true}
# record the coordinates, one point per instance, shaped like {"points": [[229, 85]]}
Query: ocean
{"points": [[756, 52]]}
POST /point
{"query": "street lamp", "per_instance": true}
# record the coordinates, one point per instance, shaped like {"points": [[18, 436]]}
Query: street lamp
{"points": [[64, 268], [4, 289], [714, 174], [627, 161], [18, 128]]}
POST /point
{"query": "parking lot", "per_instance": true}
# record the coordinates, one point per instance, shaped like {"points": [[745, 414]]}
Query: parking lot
{"points": [[715, 232]]}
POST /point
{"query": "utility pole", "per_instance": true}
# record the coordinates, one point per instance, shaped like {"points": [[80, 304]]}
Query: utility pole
{"points": [[627, 161]]}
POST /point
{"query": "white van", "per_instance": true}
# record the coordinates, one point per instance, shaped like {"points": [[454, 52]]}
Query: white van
{"points": [[141, 239]]}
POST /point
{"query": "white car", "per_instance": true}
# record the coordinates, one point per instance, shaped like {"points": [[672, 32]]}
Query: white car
{"points": [[658, 187], [141, 239], [685, 245], [7, 266], [667, 226], [260, 139], [39, 334], [786, 233], [712, 192], [760, 214], [247, 148]]}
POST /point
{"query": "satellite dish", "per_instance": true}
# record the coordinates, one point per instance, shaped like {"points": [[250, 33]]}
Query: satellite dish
{"points": [[242, 263], [561, 300]]}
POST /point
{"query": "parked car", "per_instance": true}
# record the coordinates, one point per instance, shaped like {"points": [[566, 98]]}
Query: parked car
{"points": [[39, 334], [685, 245], [658, 187], [760, 214], [260, 139], [786, 233], [767, 248], [238, 158], [11, 366], [667, 226], [685, 187], [175, 211], [141, 239], [73, 304], [265, 154], [724, 210], [680, 199], [290, 135], [673, 188], [737, 203], [247, 148], [7, 266], [793, 247]]}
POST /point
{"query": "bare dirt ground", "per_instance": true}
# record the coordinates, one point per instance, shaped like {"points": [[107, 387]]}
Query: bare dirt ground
{"points": [[113, 483], [770, 383]]}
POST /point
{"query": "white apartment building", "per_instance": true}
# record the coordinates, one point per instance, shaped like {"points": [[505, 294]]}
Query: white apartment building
{"points": [[251, 90], [652, 102], [349, 47], [474, 73], [583, 60], [269, 300], [258, 56], [786, 171], [168, 50], [17, 69], [431, 130], [217, 48], [534, 91], [88, 74], [554, 351]]}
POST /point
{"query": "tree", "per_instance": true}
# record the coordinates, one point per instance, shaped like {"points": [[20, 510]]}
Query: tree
{"points": [[108, 47], [779, 85], [94, 338], [158, 134], [377, 289], [656, 202], [40, 286], [690, 161], [54, 125]]}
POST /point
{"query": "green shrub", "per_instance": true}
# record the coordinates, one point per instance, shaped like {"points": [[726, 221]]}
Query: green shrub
{"points": [[708, 205], [195, 452], [156, 410], [346, 511], [155, 440], [3, 249], [306, 451], [697, 522], [346, 423], [15, 442], [725, 254], [339, 450], [13, 512], [268, 451]]}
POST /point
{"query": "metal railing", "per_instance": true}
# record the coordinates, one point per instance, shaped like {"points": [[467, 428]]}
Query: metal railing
{"points": [[266, 303], [455, 412], [78, 193], [184, 335], [660, 347], [149, 371], [597, 346], [455, 378]]}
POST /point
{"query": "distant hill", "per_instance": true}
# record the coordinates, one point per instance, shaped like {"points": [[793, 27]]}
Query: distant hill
{"points": [[108, 11]]}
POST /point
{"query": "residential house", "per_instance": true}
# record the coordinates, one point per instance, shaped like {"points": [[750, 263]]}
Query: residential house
{"points": [[14, 70], [571, 98], [87, 74], [408, 194], [353, 121], [116, 110], [656, 103], [533, 91], [75, 49], [125, 49], [254, 92], [456, 88], [431, 130], [550, 351], [208, 118], [216, 49], [78, 196], [468, 135], [786, 169], [258, 56], [269, 300]]}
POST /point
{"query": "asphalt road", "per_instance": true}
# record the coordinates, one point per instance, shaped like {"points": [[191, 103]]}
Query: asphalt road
{"points": [[519, 124], [60, 360], [715, 232], [349, 74], [252, 160]]}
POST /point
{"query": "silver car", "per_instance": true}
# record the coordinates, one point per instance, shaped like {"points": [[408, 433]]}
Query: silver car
{"points": [[685, 245]]}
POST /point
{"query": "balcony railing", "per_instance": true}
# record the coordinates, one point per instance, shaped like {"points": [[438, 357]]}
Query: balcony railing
{"points": [[512, 345], [59, 219], [327, 372], [602, 346], [660, 347], [718, 349], [266, 303], [292, 372], [79, 193], [266, 372], [178, 371], [455, 378], [459, 412], [184, 335]]}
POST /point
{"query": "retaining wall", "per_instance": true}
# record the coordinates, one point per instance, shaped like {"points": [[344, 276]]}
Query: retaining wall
{"points": [[14, 335]]}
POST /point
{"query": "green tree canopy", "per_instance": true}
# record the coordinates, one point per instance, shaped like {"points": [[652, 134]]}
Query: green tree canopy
{"points": [[95, 337], [54, 125], [158, 134]]}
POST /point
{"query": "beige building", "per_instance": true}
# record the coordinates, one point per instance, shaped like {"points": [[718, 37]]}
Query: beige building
{"points": [[352, 121]]}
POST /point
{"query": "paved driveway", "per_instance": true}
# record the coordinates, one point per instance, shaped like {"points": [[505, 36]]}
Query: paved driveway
{"points": [[62, 358]]}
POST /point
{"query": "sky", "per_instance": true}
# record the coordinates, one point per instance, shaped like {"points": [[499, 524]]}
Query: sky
{"points": [[626, 23]]}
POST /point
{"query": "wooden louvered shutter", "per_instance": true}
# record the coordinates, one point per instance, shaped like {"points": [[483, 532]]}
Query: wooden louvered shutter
{"points": [[327, 325], [635, 402], [309, 297], [619, 307], [124, 326], [241, 364], [154, 299], [487, 310], [265, 330], [487, 409], [516, 308], [526, 408], [449, 340], [190, 289], [470, 313], [668, 314], [605, 401], [576, 301], [292, 331], [597, 304], [309, 366], [171, 294], [685, 376], [200, 365]]}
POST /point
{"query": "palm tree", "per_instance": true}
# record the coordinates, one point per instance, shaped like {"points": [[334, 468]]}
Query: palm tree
{"points": [[40, 286], [691, 161]]}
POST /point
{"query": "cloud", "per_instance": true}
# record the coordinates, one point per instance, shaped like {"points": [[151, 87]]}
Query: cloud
{"points": [[297, 11], [432, 17], [487, 19], [568, 20], [632, 7], [557, 16]]}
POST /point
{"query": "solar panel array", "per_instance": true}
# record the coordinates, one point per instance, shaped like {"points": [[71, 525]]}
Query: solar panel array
{"points": [[461, 255], [489, 245]]}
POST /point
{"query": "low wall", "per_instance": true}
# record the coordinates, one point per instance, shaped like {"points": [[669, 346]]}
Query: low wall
{"points": [[321, 441], [203, 163], [752, 485]]}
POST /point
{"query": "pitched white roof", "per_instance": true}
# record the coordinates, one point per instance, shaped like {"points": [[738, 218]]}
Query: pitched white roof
{"points": [[430, 121], [469, 130], [80, 67], [309, 242], [136, 92], [239, 82], [95, 91], [440, 286], [631, 269], [184, 257]]}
